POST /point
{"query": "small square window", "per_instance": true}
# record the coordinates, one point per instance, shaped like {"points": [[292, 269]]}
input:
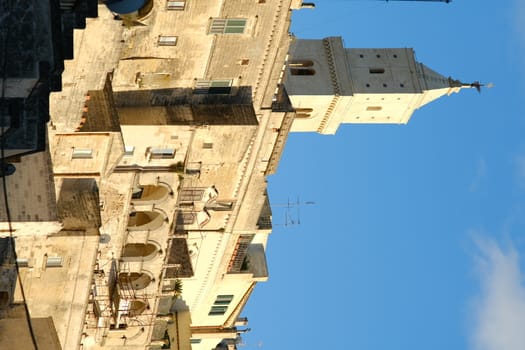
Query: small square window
{"points": [[216, 87], [168, 286], [217, 310], [207, 145], [54, 261], [167, 40], [162, 153], [185, 218], [129, 150], [82, 153], [175, 5], [21, 262], [376, 70], [223, 299]]}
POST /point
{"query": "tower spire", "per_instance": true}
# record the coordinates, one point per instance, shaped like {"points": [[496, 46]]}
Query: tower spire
{"points": [[329, 85]]}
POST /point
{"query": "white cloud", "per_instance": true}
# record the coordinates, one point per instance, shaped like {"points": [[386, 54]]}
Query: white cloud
{"points": [[499, 311]]}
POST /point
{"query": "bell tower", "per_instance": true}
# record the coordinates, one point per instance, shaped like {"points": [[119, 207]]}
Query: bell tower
{"points": [[329, 85]]}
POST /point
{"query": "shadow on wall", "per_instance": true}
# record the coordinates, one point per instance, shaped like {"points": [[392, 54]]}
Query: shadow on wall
{"points": [[79, 205], [8, 274], [184, 96]]}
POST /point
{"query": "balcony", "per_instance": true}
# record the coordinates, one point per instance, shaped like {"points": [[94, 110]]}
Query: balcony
{"points": [[249, 261]]}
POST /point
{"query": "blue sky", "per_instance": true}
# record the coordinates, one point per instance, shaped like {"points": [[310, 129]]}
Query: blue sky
{"points": [[417, 235]]}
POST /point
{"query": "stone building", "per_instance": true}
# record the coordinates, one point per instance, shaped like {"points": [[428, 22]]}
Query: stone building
{"points": [[170, 118]]}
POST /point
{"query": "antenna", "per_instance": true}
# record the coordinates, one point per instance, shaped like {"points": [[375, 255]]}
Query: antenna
{"points": [[292, 211]]}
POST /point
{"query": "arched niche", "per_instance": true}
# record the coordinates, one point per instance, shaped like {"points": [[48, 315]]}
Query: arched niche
{"points": [[150, 194], [134, 280], [145, 220], [136, 307], [139, 252]]}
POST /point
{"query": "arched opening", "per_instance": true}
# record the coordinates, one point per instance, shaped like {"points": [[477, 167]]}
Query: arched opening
{"points": [[134, 280], [145, 220], [139, 252], [136, 307], [146, 194]]}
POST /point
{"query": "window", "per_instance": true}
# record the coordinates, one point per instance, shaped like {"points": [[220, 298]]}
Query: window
{"points": [[377, 70], [21, 262], [128, 151], [227, 26], [82, 153], [192, 194], [223, 299], [162, 153], [195, 341], [303, 112], [185, 218], [175, 5], [220, 305], [213, 87], [169, 285], [302, 115], [301, 63], [374, 108], [302, 71], [54, 261], [167, 40], [220, 206], [217, 310], [207, 145]]}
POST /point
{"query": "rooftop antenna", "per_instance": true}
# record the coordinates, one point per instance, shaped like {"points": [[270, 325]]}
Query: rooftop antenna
{"points": [[292, 211]]}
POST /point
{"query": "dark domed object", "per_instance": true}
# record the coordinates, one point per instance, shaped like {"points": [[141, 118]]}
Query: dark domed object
{"points": [[125, 6]]}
